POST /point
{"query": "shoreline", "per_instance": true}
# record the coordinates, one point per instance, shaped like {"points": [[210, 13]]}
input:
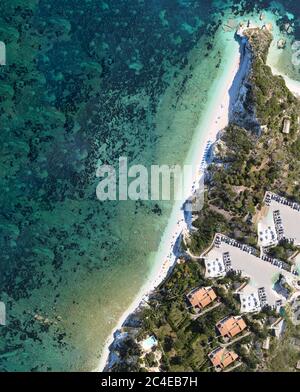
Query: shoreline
{"points": [[216, 119]]}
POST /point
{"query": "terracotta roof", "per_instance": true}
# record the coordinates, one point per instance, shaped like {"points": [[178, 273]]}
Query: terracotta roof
{"points": [[231, 326], [202, 297], [221, 358]]}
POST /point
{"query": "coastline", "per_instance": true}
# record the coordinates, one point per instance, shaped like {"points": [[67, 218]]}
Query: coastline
{"points": [[215, 119]]}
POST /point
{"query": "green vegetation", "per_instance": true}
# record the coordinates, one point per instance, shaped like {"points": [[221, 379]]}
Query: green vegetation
{"points": [[283, 251]]}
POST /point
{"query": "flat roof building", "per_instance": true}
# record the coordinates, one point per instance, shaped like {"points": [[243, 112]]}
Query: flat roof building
{"points": [[279, 328], [221, 358], [2, 314], [215, 268], [266, 343], [201, 297], [231, 326]]}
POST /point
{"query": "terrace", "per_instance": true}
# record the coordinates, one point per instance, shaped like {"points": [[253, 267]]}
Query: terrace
{"points": [[231, 326], [201, 297], [263, 272], [282, 218]]}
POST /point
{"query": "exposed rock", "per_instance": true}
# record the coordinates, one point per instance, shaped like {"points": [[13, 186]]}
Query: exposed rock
{"points": [[241, 113], [281, 44]]}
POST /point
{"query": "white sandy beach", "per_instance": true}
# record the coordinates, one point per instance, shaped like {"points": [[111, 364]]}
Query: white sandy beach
{"points": [[216, 119]]}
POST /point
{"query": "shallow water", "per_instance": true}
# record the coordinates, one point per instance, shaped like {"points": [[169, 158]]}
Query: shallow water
{"points": [[87, 82]]}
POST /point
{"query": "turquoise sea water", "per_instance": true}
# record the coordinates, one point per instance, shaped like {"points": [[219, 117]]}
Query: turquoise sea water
{"points": [[85, 83]]}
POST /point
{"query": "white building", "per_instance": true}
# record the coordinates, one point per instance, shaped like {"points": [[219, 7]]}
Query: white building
{"points": [[263, 273], [148, 344], [286, 126]]}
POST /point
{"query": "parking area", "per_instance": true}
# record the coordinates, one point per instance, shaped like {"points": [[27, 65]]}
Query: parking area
{"points": [[263, 272]]}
